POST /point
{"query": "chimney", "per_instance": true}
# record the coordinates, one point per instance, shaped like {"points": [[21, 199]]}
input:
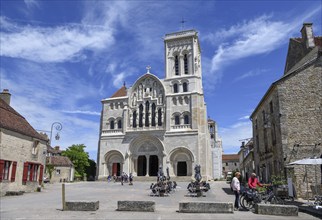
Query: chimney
{"points": [[6, 96], [307, 35]]}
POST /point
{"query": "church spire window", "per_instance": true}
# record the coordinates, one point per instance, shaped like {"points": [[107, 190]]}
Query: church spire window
{"points": [[153, 115], [176, 65], [159, 117], [119, 124], [177, 120], [185, 87], [147, 106], [112, 125], [185, 60], [134, 119], [175, 88], [141, 116]]}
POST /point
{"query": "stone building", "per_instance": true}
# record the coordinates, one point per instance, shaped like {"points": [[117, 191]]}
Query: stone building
{"points": [[287, 121], [216, 149], [230, 163], [63, 168], [159, 122], [22, 150], [246, 159]]}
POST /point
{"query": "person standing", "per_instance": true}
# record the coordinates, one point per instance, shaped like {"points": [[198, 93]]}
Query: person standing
{"points": [[235, 185]]}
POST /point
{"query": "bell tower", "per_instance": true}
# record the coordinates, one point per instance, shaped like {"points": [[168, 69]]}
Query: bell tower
{"points": [[183, 58]]}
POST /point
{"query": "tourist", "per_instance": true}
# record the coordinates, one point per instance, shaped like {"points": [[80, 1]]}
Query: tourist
{"points": [[253, 182], [131, 179], [235, 185]]}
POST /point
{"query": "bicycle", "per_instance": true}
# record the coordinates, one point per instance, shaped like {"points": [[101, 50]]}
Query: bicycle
{"points": [[250, 197]]}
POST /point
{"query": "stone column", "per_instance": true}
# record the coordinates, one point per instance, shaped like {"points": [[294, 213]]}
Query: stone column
{"points": [[104, 168], [181, 65]]}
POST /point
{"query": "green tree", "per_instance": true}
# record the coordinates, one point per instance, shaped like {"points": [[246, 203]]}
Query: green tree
{"points": [[91, 170], [78, 157]]}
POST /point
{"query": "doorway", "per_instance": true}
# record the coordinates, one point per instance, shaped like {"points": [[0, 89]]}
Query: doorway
{"points": [[116, 169], [153, 165], [182, 168], [141, 165]]}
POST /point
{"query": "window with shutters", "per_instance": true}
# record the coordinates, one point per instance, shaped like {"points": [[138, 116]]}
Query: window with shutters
{"points": [[30, 172], [6, 170]]}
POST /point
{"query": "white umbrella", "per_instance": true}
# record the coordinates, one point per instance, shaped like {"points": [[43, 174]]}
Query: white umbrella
{"points": [[308, 161]]}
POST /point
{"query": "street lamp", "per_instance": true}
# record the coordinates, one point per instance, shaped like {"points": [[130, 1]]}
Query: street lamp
{"points": [[58, 126]]}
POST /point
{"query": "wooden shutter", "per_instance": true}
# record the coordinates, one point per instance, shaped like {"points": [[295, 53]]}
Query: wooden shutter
{"points": [[25, 172], [1, 169], [41, 174], [13, 171]]}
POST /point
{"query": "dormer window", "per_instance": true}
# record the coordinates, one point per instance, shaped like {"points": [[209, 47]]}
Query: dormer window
{"points": [[176, 65]]}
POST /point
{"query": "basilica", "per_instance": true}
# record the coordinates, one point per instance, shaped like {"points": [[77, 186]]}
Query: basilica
{"points": [[160, 122]]}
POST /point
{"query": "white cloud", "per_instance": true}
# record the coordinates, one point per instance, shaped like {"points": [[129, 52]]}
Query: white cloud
{"points": [[246, 117], [254, 37], [82, 112], [57, 44], [251, 73], [32, 3], [232, 135]]}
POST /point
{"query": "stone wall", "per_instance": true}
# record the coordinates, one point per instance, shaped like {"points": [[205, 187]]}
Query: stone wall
{"points": [[18, 147]]}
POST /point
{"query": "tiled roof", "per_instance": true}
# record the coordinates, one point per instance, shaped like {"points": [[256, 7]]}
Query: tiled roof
{"points": [[53, 150], [119, 93], [59, 161], [230, 157], [13, 121], [318, 41]]}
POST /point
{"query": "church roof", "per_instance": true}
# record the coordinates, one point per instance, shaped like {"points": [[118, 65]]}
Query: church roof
{"points": [[120, 93], [230, 157], [13, 121]]}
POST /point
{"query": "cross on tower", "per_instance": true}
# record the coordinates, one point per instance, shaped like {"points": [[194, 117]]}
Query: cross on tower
{"points": [[148, 68], [182, 23]]}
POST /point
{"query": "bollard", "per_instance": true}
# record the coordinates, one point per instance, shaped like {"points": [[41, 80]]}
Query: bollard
{"points": [[63, 196]]}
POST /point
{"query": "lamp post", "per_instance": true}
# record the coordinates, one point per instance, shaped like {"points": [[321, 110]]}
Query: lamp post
{"points": [[58, 126]]}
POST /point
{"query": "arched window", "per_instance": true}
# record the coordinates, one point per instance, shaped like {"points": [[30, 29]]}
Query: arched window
{"points": [[153, 115], [119, 124], [185, 87], [185, 64], [147, 106], [176, 65], [141, 116], [159, 117], [175, 88], [134, 119], [177, 120], [186, 119], [112, 125]]}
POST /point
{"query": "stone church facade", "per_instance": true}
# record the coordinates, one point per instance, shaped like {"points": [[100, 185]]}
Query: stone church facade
{"points": [[159, 122]]}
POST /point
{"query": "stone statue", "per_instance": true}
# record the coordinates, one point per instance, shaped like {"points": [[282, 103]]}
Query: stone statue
{"points": [[197, 173]]}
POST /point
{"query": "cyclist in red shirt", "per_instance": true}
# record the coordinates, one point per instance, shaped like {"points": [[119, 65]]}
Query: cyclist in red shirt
{"points": [[253, 182]]}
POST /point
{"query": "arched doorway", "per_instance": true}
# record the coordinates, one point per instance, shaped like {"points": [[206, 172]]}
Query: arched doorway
{"points": [[153, 165], [141, 165], [114, 162], [116, 169], [182, 159], [182, 168], [147, 154]]}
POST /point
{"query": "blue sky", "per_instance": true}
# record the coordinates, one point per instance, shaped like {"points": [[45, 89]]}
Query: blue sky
{"points": [[59, 59]]}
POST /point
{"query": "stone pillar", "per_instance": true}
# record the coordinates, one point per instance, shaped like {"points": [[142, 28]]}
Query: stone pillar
{"points": [[104, 168], [181, 65]]}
